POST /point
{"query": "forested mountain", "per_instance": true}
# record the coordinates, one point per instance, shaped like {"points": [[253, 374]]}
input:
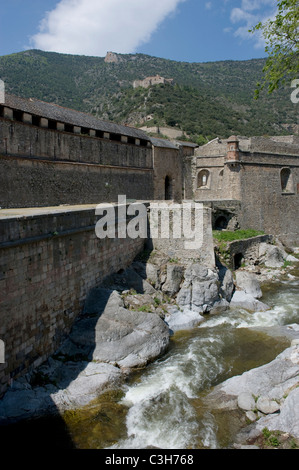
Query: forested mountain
{"points": [[207, 99]]}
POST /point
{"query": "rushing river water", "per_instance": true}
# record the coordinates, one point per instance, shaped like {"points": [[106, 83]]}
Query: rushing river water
{"points": [[163, 406]]}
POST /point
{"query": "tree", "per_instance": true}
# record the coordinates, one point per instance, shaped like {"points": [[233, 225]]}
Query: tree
{"points": [[282, 46]]}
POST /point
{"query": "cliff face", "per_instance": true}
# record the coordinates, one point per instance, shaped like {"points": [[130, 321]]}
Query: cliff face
{"points": [[111, 58]]}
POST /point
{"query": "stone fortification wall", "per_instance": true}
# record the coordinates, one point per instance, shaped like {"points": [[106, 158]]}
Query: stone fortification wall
{"points": [[263, 176], [42, 167], [171, 236], [265, 204], [168, 163], [50, 259]]}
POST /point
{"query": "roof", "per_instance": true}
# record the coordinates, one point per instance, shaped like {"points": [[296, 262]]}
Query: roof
{"points": [[70, 116], [186, 143], [163, 143]]}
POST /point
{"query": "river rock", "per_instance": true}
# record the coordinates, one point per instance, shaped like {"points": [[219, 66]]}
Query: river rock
{"points": [[249, 283], [267, 406], [272, 256], [76, 385], [174, 278], [183, 319], [127, 338], [227, 285], [148, 271], [241, 299], [246, 401], [276, 380], [200, 289]]}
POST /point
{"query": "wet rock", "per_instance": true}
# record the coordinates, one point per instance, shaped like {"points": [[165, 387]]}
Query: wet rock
{"points": [[276, 380], [243, 300], [227, 286], [174, 279], [183, 320], [251, 416]]}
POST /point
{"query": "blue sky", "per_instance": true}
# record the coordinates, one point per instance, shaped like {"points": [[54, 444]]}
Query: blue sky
{"points": [[184, 30]]}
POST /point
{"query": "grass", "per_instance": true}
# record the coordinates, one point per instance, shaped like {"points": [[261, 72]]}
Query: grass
{"points": [[229, 236]]}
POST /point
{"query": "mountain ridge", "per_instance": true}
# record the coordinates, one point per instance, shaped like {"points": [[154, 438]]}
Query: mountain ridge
{"points": [[208, 99]]}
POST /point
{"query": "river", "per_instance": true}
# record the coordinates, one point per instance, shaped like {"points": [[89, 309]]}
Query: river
{"points": [[163, 405]]}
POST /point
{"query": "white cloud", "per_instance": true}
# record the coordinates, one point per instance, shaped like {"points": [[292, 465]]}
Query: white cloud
{"points": [[249, 14], [93, 27]]}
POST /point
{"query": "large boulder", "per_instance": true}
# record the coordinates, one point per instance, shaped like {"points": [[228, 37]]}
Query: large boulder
{"points": [[275, 385], [126, 338], [227, 285], [183, 319], [246, 301], [271, 255], [200, 289], [249, 283], [174, 279]]}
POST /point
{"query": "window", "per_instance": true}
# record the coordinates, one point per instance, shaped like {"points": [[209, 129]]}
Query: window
{"points": [[286, 180], [168, 188], [203, 179]]}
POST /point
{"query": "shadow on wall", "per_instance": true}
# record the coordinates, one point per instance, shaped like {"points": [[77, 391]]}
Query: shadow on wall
{"points": [[59, 372]]}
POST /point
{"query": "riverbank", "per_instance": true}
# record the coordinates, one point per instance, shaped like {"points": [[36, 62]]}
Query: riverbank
{"points": [[127, 324]]}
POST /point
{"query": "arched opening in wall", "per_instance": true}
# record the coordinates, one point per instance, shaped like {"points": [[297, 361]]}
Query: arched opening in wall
{"points": [[221, 223], [286, 180], [203, 179], [168, 188], [238, 260]]}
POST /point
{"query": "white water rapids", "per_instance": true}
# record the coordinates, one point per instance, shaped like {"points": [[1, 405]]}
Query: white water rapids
{"points": [[164, 406]]}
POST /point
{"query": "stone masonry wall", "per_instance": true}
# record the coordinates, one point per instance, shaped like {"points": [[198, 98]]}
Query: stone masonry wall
{"points": [[265, 206], [168, 162], [49, 260]]}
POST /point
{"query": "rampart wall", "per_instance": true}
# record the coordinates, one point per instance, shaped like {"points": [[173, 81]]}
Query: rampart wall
{"points": [[266, 205], [262, 176], [49, 260]]}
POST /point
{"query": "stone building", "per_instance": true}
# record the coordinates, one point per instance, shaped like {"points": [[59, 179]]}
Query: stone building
{"points": [[250, 183], [151, 81], [50, 155]]}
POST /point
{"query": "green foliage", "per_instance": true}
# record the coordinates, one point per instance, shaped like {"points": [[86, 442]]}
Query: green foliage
{"points": [[282, 46], [271, 437], [229, 236]]}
